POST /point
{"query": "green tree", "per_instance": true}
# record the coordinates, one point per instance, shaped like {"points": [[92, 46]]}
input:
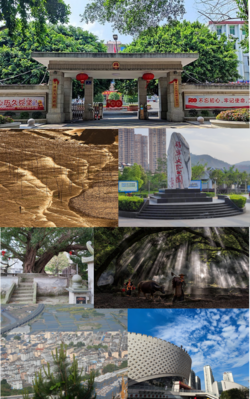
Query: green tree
{"points": [[219, 175], [217, 60], [98, 98], [57, 263], [132, 16], [243, 14], [15, 55], [109, 368], [133, 172], [114, 96], [232, 241], [35, 247], [198, 170], [41, 12], [234, 394], [123, 365], [64, 380], [17, 337], [162, 166]]}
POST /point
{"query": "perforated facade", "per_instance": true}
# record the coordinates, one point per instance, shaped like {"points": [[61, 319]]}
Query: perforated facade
{"points": [[150, 358]]}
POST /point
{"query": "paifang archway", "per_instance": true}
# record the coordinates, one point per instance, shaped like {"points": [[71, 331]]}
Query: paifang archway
{"points": [[63, 67]]}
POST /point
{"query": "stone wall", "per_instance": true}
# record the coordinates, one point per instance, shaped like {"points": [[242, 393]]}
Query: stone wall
{"points": [[25, 91], [6, 282], [51, 285]]}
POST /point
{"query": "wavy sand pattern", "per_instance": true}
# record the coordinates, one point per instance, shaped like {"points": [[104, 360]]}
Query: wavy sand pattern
{"points": [[53, 178]]}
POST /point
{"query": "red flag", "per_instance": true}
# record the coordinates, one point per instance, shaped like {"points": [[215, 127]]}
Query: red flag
{"points": [[114, 49]]}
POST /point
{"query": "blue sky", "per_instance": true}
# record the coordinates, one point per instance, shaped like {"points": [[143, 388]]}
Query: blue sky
{"points": [[105, 32], [215, 337]]}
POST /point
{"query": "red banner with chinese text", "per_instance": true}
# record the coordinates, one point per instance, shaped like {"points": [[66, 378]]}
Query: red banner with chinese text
{"points": [[214, 101], [23, 103]]}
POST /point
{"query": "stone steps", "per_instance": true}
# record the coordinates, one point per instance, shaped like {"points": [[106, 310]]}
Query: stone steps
{"points": [[171, 212], [165, 196], [164, 200], [23, 293]]}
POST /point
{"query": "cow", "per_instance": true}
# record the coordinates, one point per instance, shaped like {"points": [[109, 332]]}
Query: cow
{"points": [[149, 287]]}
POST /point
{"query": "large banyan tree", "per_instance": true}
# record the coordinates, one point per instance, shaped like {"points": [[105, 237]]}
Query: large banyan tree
{"points": [[217, 257], [35, 247]]}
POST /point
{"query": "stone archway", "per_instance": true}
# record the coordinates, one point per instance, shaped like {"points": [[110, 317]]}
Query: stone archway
{"points": [[63, 67]]}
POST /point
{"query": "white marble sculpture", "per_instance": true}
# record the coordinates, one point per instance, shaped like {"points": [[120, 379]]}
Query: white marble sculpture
{"points": [[179, 162]]}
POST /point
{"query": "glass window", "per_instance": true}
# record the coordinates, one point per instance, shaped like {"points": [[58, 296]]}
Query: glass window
{"points": [[243, 31], [232, 30], [219, 30]]}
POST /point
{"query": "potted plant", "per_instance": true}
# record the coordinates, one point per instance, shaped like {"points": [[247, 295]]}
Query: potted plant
{"points": [[7, 121], [132, 107]]}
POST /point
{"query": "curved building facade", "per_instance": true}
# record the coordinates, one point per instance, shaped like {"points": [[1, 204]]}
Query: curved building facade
{"points": [[152, 358]]}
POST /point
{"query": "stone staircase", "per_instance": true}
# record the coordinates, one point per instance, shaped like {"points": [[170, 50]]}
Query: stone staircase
{"points": [[24, 292], [188, 211], [167, 195]]}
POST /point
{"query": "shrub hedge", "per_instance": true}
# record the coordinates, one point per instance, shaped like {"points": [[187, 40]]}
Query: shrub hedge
{"points": [[131, 204], [241, 115], [24, 115], [5, 119], [209, 194], [36, 115], [9, 113], [239, 200]]}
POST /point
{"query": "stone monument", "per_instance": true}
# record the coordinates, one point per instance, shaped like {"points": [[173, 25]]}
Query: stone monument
{"points": [[179, 163], [78, 293]]}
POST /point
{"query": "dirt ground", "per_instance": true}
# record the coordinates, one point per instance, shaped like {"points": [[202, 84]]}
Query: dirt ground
{"points": [[58, 178], [103, 300]]}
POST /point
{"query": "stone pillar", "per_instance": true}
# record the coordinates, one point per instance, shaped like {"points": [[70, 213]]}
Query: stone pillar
{"points": [[68, 99], [56, 115], [90, 262], [163, 97], [142, 95], [174, 114], [88, 99]]}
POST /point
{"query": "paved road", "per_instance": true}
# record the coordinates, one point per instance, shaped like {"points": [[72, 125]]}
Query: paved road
{"points": [[119, 120], [25, 320], [9, 316], [242, 220]]}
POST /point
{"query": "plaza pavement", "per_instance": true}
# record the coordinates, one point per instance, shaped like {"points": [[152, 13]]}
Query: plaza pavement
{"points": [[242, 220], [119, 121]]}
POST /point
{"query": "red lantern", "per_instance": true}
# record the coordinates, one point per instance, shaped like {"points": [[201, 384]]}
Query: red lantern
{"points": [[148, 76], [82, 77], [3, 253], [70, 252], [123, 290]]}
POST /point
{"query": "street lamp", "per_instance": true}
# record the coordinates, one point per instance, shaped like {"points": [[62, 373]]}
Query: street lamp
{"points": [[115, 37]]}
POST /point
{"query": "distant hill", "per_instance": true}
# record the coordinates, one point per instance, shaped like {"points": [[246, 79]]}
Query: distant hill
{"points": [[217, 163], [210, 161]]}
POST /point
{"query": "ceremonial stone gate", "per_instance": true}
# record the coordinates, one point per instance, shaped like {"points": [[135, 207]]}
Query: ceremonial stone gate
{"points": [[63, 68]]}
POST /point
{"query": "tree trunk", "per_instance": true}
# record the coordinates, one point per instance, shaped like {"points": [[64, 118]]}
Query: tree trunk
{"points": [[30, 258], [31, 265]]}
